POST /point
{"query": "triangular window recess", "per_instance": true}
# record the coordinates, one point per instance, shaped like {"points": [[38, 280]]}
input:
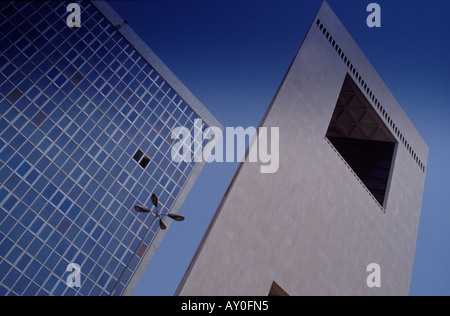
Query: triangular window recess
{"points": [[277, 290], [363, 140]]}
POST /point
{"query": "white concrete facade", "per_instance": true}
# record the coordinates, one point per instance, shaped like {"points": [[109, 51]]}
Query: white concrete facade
{"points": [[313, 227]]}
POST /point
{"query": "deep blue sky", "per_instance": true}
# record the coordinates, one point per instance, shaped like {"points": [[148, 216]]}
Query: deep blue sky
{"points": [[233, 54]]}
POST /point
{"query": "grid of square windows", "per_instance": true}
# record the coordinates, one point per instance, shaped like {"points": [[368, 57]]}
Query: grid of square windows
{"points": [[75, 107]]}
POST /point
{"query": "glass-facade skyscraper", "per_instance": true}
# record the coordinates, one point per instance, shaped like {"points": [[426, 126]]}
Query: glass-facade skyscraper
{"points": [[86, 116]]}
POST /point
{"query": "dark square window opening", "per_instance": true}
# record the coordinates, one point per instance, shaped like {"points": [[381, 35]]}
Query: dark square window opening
{"points": [[363, 140], [137, 157], [144, 162], [141, 159]]}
